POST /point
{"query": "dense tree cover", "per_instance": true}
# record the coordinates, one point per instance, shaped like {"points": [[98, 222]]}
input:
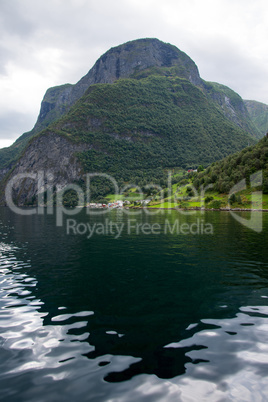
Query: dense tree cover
{"points": [[10, 154], [224, 174], [234, 107], [221, 100], [259, 114], [137, 128]]}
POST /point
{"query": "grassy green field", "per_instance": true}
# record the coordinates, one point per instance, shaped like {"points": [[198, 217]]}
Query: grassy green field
{"points": [[179, 199]]}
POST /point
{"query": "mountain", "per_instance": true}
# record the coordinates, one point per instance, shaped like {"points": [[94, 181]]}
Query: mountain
{"points": [[258, 113], [119, 62], [142, 107], [225, 174], [234, 108]]}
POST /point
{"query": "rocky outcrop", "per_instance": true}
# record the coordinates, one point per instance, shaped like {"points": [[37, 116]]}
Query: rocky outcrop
{"points": [[259, 115], [119, 62], [232, 106], [50, 157], [56, 102], [3, 172]]}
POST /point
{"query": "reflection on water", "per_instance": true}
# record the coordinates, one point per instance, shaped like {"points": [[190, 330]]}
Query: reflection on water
{"points": [[161, 318], [237, 353], [35, 355]]}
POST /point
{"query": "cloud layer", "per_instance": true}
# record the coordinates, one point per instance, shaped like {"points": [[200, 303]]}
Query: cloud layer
{"points": [[49, 43]]}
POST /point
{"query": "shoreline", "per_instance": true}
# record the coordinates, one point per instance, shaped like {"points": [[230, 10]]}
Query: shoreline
{"points": [[201, 209], [204, 209]]}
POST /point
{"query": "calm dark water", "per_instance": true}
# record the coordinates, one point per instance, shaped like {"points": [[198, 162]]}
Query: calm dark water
{"points": [[155, 316]]}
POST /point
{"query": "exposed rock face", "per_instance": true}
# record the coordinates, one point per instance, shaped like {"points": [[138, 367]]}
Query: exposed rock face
{"points": [[3, 172], [52, 157], [259, 114], [232, 106], [54, 105], [119, 62]]}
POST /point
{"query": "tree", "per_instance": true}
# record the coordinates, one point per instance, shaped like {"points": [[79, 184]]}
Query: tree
{"points": [[208, 199], [232, 199], [200, 168], [70, 199], [265, 186], [239, 199]]}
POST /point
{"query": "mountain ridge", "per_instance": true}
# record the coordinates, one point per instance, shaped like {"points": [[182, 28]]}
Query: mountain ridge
{"points": [[258, 112], [157, 115], [224, 174], [58, 100], [119, 62]]}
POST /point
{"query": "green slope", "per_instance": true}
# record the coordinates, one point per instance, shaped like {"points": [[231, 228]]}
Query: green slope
{"points": [[157, 121], [224, 174], [259, 115], [9, 155], [233, 107], [139, 60]]}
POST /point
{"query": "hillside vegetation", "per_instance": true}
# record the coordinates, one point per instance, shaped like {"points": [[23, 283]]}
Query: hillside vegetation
{"points": [[224, 174], [235, 109], [258, 113], [141, 110], [224, 184], [138, 60], [145, 124]]}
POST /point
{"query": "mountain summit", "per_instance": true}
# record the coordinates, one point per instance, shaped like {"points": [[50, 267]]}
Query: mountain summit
{"points": [[124, 61]]}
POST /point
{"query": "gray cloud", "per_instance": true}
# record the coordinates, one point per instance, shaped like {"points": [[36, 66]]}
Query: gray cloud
{"points": [[223, 62], [11, 124], [14, 20]]}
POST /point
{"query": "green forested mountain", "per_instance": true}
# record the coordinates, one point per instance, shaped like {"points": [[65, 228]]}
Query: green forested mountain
{"points": [[142, 108], [235, 108], [156, 121], [258, 113], [224, 174]]}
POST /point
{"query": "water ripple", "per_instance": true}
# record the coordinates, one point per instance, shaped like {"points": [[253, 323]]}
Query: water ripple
{"points": [[44, 355], [170, 319]]}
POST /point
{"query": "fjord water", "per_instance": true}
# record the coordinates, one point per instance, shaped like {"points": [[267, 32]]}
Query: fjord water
{"points": [[143, 317]]}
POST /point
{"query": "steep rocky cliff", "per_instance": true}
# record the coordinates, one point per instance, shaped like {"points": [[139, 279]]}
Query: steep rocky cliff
{"points": [[122, 61], [119, 62], [233, 107], [51, 157]]}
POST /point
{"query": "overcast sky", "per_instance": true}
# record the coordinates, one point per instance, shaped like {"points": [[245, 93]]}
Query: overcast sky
{"points": [[44, 43]]}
